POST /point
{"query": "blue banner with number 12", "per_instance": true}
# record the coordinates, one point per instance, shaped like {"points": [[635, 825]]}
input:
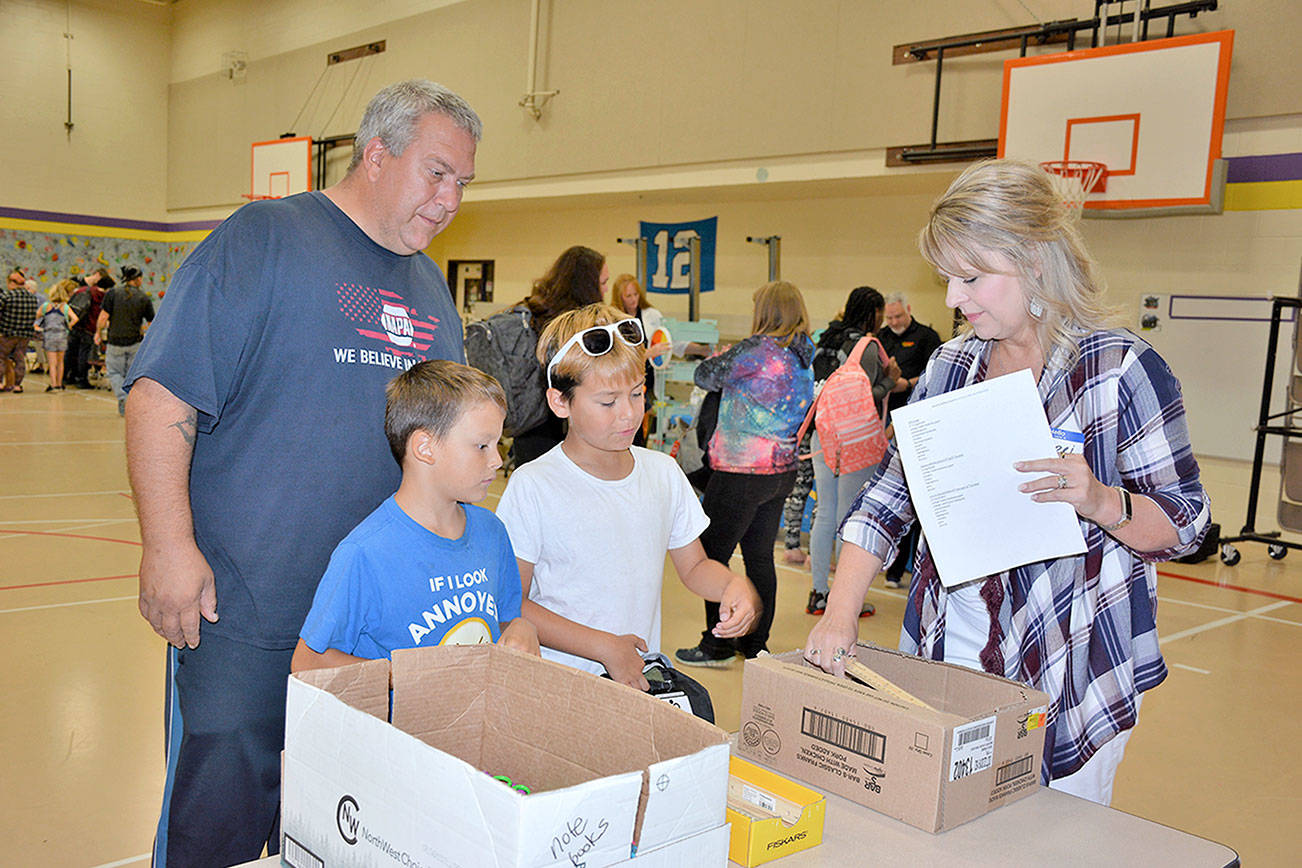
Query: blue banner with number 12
{"points": [[669, 259]]}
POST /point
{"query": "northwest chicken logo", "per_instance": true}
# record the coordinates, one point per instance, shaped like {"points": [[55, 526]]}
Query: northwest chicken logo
{"points": [[382, 315]]}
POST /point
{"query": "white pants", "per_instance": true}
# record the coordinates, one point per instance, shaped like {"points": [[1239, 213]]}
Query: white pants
{"points": [[1093, 780], [967, 626]]}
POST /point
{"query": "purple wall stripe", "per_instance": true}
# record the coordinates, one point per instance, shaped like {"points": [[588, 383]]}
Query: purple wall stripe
{"points": [[111, 222], [1269, 167]]}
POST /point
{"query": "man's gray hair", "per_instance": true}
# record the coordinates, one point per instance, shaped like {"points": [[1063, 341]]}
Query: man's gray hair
{"points": [[897, 298], [392, 115]]}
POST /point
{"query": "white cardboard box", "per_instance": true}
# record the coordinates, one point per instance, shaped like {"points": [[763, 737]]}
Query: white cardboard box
{"points": [[607, 765]]}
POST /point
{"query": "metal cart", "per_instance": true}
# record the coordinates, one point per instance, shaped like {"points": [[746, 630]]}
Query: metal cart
{"points": [[1282, 424]]}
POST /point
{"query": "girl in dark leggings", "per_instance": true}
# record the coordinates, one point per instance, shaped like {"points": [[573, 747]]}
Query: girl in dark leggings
{"points": [[767, 385]]}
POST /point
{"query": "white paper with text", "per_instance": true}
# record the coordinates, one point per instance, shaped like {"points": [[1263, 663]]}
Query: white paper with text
{"points": [[958, 451]]}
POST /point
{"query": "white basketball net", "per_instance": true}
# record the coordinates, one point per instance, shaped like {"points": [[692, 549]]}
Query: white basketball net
{"points": [[1073, 179]]}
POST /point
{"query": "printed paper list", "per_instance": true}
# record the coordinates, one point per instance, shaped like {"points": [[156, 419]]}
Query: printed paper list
{"points": [[958, 451]]}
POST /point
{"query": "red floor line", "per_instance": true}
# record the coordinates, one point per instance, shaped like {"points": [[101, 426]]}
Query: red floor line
{"points": [[129, 542], [67, 582], [1209, 583]]}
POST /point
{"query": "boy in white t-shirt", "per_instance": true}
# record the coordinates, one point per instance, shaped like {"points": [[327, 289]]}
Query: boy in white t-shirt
{"points": [[591, 520]]}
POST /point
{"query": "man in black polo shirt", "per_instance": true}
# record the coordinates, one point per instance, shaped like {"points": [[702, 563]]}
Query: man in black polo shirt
{"points": [[124, 316], [910, 344], [907, 341]]}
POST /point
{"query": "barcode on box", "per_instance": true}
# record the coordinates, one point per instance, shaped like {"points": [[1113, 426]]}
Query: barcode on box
{"points": [[977, 733], [843, 734], [296, 855], [1013, 770]]}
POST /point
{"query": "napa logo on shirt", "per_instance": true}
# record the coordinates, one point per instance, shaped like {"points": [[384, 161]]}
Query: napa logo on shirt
{"points": [[460, 613], [384, 316]]}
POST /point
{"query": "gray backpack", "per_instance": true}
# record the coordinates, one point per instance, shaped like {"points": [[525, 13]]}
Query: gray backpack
{"points": [[503, 347]]}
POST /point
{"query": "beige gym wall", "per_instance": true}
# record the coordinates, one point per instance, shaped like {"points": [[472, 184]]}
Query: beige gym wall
{"points": [[671, 110], [114, 162], [667, 111]]}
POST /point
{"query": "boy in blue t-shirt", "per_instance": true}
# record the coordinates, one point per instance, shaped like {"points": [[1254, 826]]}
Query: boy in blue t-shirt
{"points": [[426, 567]]}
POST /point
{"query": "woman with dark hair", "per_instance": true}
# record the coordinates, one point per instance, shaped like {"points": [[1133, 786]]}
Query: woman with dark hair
{"points": [[836, 490], [576, 279]]}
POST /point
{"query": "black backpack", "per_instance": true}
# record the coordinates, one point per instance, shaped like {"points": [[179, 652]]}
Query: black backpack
{"points": [[503, 346], [80, 302], [834, 347]]}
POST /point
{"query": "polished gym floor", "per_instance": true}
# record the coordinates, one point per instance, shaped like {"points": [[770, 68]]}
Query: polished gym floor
{"points": [[81, 720]]}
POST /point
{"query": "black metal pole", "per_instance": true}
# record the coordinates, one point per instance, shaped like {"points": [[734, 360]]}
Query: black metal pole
{"points": [[68, 125], [694, 280], [1263, 416], [935, 100]]}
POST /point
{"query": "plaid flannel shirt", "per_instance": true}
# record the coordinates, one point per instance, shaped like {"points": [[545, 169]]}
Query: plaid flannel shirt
{"points": [[1081, 629], [18, 313]]}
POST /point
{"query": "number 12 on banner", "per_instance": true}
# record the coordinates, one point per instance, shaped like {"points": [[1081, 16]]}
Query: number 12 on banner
{"points": [[669, 258]]}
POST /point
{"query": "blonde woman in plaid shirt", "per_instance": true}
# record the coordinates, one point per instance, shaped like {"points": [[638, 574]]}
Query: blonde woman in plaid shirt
{"points": [[1082, 629]]}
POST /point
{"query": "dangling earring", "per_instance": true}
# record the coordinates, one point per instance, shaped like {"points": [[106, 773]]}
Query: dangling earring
{"points": [[1037, 309]]}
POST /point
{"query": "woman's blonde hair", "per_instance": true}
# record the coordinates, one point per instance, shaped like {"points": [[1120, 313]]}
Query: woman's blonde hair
{"points": [[617, 293], [622, 362], [780, 312], [62, 291], [1010, 208]]}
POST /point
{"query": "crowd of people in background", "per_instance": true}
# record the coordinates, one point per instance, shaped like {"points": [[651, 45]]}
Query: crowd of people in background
{"points": [[72, 331]]}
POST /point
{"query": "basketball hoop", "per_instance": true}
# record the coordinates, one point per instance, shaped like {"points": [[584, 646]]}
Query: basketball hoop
{"points": [[1076, 179]]}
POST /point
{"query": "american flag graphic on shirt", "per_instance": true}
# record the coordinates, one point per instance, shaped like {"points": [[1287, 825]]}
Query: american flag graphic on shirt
{"points": [[384, 316]]}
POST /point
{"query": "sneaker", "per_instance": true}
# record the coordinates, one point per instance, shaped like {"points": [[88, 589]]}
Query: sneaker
{"points": [[892, 582], [697, 656], [868, 609], [817, 604]]}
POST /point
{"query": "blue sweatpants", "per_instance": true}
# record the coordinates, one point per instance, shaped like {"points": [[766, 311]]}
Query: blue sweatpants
{"points": [[225, 729]]}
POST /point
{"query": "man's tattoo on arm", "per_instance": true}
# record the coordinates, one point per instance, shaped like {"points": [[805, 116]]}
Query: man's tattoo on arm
{"points": [[187, 426]]}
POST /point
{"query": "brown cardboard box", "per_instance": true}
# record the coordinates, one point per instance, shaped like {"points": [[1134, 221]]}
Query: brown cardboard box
{"points": [[608, 766], [977, 747]]}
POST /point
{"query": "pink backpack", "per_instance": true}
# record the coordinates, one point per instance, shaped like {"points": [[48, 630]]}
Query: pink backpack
{"points": [[850, 431]]}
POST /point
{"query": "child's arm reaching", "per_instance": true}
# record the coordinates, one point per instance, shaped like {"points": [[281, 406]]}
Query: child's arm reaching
{"points": [[619, 654], [519, 633], [305, 658], [739, 604]]}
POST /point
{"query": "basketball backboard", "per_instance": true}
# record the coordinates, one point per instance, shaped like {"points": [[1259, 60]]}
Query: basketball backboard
{"points": [[1152, 112], [280, 168]]}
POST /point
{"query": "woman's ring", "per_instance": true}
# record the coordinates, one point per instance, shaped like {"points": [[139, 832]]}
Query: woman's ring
{"points": [[814, 653], [1062, 481], [838, 654]]}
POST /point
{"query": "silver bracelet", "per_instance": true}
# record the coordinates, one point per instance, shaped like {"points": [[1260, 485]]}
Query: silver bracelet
{"points": [[1126, 512]]}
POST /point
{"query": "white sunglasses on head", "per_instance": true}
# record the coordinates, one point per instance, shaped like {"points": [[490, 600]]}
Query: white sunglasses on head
{"points": [[598, 340]]}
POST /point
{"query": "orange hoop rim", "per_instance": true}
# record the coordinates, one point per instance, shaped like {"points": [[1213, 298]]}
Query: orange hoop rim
{"points": [[1073, 168]]}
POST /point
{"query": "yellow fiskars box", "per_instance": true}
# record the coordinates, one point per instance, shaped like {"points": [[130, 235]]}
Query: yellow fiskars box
{"points": [[771, 816]]}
